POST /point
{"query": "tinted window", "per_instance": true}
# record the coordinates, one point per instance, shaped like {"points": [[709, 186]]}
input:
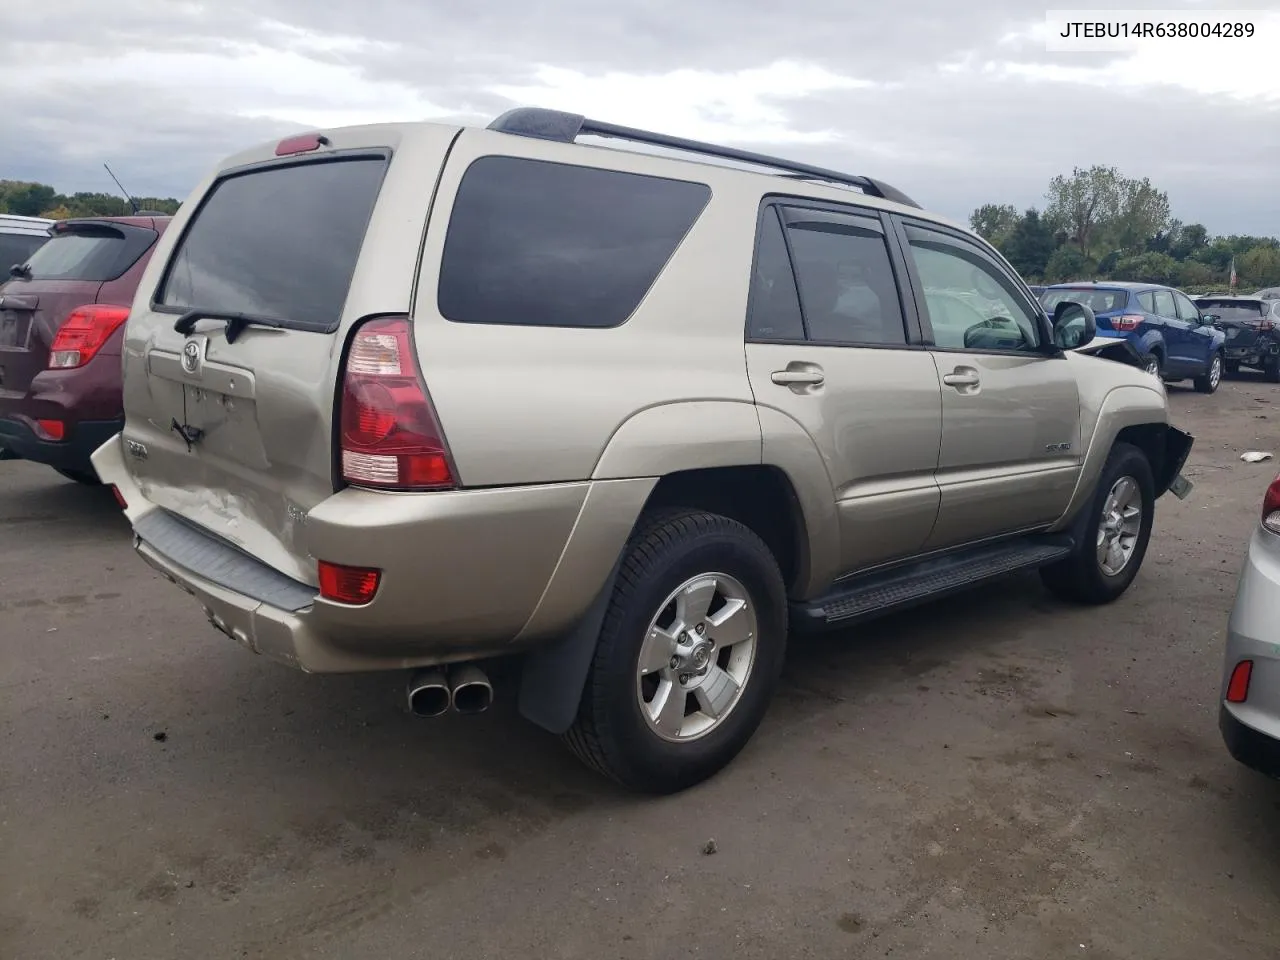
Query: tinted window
{"points": [[548, 244], [1148, 301], [1186, 309], [279, 242], [1164, 303], [1233, 309], [1099, 301], [16, 248], [775, 307], [846, 282], [90, 253], [972, 303]]}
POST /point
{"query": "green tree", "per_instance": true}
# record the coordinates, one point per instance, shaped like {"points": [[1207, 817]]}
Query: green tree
{"points": [[1191, 274], [1147, 267], [26, 199], [1030, 244], [1142, 214], [994, 222], [1189, 240], [1259, 267], [1067, 263], [1083, 203]]}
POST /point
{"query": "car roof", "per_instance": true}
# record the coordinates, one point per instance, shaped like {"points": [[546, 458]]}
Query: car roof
{"points": [[564, 129], [13, 223]]}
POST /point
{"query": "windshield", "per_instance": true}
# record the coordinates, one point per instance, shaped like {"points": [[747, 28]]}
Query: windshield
{"points": [[280, 242], [1099, 301], [17, 248], [1232, 309]]}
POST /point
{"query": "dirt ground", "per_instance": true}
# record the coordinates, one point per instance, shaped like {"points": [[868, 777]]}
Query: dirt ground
{"points": [[995, 776]]}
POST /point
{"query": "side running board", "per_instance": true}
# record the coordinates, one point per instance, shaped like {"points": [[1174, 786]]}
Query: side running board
{"points": [[884, 591]]}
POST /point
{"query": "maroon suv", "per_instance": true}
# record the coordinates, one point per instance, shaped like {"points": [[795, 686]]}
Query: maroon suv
{"points": [[62, 315]]}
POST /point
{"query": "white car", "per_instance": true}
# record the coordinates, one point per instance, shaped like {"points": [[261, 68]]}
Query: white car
{"points": [[20, 237]]}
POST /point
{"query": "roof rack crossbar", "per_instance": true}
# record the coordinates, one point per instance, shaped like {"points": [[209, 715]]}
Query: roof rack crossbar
{"points": [[567, 127]]}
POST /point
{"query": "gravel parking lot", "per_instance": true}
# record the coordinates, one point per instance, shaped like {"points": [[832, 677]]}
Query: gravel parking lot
{"points": [[997, 775]]}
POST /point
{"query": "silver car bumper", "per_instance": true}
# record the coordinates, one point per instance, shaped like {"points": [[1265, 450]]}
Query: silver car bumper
{"points": [[1251, 728]]}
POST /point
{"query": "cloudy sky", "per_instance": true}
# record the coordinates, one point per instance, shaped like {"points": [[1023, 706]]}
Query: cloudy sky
{"points": [[955, 101]]}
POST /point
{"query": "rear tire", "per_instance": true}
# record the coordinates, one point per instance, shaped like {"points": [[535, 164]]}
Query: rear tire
{"points": [[87, 478], [672, 560], [1081, 577], [1212, 378], [1271, 369]]}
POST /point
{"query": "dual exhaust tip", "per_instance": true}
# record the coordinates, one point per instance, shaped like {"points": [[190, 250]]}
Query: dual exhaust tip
{"points": [[433, 691]]}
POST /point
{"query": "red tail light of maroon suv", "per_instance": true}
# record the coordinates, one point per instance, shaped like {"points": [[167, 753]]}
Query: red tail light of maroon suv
{"points": [[62, 317]]}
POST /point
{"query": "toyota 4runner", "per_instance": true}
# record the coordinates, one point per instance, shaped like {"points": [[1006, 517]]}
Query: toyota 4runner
{"points": [[413, 397]]}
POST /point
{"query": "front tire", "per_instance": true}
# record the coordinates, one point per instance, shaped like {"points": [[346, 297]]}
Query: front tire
{"points": [[689, 655], [1212, 377], [1114, 536]]}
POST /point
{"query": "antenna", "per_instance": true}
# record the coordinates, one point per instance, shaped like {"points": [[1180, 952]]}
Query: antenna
{"points": [[132, 203]]}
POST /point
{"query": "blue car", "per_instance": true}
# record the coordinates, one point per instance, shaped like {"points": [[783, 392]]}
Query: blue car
{"points": [[1174, 340]]}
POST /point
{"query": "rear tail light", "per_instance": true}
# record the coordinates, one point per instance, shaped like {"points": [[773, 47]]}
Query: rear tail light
{"points": [[51, 429], [82, 336], [350, 585], [1271, 507], [390, 435], [115, 492], [1238, 685], [1126, 323]]}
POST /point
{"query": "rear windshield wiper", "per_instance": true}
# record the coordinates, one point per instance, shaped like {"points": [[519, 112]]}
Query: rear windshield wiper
{"points": [[236, 322]]}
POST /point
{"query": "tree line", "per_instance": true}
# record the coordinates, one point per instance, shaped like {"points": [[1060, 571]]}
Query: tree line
{"points": [[1100, 225], [29, 199]]}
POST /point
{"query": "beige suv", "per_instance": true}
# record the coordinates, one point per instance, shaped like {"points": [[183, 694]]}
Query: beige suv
{"points": [[412, 397]]}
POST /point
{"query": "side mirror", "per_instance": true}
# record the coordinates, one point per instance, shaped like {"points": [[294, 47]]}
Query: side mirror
{"points": [[1074, 325]]}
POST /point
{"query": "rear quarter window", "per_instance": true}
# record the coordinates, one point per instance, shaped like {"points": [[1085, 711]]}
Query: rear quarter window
{"points": [[278, 242], [548, 244]]}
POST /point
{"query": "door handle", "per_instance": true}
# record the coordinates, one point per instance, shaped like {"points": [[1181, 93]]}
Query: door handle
{"points": [[791, 378], [958, 379]]}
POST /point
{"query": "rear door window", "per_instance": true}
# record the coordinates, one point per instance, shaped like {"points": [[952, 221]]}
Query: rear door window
{"points": [[847, 285], [1164, 304], [1148, 301], [549, 244], [277, 242]]}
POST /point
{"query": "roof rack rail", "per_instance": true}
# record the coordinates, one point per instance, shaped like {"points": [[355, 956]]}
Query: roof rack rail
{"points": [[564, 127]]}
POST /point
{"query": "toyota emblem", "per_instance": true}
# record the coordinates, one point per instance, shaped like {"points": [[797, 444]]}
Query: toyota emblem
{"points": [[191, 356]]}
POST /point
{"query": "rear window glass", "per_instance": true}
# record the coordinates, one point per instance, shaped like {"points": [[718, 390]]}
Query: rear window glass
{"points": [[1099, 301], [280, 242], [90, 253], [16, 248], [1231, 309], [548, 244]]}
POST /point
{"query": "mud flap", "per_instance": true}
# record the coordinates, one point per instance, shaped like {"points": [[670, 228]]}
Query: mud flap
{"points": [[553, 677], [1177, 447]]}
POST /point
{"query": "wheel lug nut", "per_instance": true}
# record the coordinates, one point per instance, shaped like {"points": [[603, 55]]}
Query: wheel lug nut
{"points": [[684, 678], [701, 628], [675, 662]]}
